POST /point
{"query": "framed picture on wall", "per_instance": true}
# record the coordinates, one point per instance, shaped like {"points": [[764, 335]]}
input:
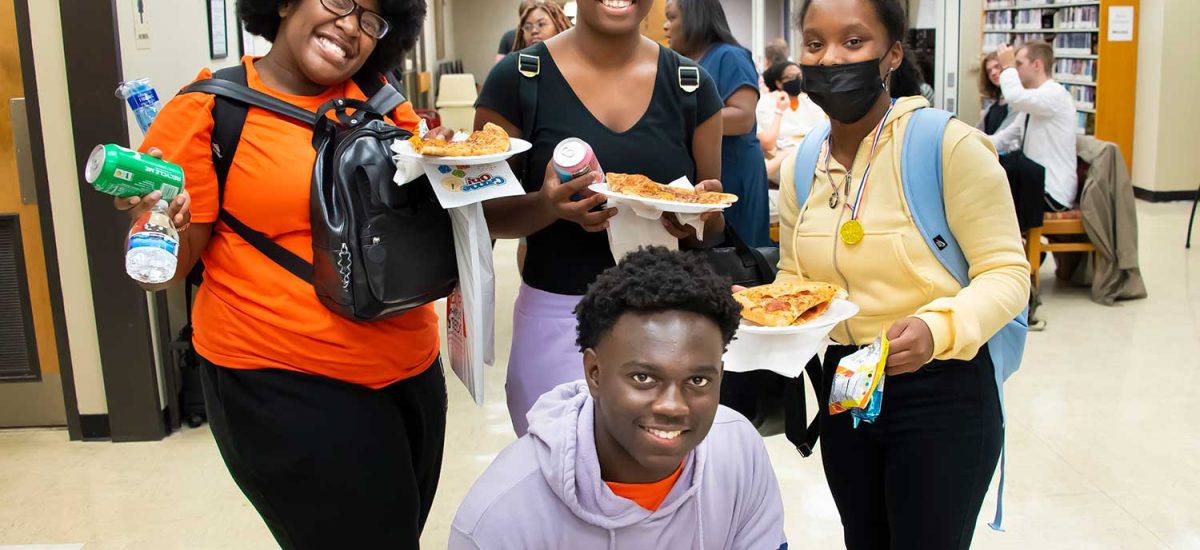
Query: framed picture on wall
{"points": [[218, 40]]}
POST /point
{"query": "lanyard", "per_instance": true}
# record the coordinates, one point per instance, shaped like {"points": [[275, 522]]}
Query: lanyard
{"points": [[855, 209], [852, 231]]}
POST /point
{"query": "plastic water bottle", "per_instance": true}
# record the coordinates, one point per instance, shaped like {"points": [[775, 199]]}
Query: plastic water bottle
{"points": [[153, 247], [142, 98]]}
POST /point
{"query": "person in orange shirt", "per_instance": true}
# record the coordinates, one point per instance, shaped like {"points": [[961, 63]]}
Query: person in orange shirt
{"points": [[332, 428]]}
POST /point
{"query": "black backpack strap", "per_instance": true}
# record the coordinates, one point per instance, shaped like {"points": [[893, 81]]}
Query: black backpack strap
{"points": [[689, 83], [795, 411], [382, 92], [530, 66], [233, 101]]}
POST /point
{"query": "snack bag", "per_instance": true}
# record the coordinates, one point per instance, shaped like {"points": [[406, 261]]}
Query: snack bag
{"points": [[858, 381], [874, 407]]}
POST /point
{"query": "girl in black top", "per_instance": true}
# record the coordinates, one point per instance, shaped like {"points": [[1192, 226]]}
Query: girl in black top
{"points": [[622, 94]]}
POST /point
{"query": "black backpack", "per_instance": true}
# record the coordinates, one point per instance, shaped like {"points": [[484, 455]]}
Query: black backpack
{"points": [[379, 250]]}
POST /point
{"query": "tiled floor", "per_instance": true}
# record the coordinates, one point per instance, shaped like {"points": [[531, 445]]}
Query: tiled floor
{"points": [[1103, 441]]}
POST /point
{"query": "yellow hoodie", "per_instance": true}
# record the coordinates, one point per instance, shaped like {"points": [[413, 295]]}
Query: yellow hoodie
{"points": [[892, 273]]}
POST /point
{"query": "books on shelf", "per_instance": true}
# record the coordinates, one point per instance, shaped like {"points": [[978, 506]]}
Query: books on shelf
{"points": [[1075, 43], [1027, 4], [1085, 123], [1084, 17], [1085, 96], [1075, 69]]}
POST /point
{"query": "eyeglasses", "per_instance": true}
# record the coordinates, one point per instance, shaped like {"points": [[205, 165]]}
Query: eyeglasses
{"points": [[530, 27], [371, 23]]}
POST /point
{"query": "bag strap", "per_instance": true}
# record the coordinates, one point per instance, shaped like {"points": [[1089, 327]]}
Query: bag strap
{"points": [[804, 438], [807, 156], [382, 90], [921, 174], [529, 66], [233, 101], [250, 97], [689, 82]]}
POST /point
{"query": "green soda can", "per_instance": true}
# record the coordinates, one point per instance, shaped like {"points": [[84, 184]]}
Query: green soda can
{"points": [[122, 172]]}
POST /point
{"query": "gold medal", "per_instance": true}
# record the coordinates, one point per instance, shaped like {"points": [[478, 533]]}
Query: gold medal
{"points": [[852, 232]]}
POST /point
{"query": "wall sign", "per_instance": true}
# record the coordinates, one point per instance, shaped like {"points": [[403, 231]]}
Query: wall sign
{"points": [[1120, 24], [218, 42]]}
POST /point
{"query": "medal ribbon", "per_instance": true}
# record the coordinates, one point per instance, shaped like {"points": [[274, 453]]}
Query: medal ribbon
{"points": [[862, 185], [867, 173]]}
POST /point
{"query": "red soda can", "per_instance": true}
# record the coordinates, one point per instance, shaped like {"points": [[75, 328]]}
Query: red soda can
{"points": [[573, 158]]}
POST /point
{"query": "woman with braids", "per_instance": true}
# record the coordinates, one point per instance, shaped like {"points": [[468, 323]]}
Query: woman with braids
{"points": [[332, 428], [916, 478], [540, 21]]}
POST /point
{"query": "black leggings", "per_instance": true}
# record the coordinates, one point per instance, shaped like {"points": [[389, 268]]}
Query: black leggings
{"points": [[916, 478], [329, 464]]}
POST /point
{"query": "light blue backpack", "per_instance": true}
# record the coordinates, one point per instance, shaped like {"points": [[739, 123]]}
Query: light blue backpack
{"points": [[921, 176]]}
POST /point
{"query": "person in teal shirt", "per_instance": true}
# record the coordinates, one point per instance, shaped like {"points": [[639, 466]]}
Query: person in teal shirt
{"points": [[699, 30]]}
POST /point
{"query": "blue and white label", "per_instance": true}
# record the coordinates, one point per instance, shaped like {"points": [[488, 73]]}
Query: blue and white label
{"points": [[144, 98], [148, 239]]}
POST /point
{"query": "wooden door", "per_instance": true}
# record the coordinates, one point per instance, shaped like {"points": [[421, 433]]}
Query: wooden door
{"points": [[652, 27], [30, 383]]}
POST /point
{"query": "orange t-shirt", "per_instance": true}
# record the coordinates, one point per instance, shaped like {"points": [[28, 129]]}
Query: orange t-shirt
{"points": [[251, 313], [647, 495]]}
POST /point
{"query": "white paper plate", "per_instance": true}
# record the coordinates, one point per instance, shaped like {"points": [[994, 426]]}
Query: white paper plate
{"points": [[785, 350], [516, 146], [840, 310], [665, 206]]}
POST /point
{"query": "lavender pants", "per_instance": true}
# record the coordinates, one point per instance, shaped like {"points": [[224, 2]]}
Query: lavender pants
{"points": [[544, 353]]}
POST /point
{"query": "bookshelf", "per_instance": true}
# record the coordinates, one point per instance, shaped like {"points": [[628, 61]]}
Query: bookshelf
{"points": [[1100, 74]]}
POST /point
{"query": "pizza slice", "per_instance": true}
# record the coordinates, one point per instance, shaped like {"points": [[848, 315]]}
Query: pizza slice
{"points": [[638, 185], [491, 140], [786, 304]]}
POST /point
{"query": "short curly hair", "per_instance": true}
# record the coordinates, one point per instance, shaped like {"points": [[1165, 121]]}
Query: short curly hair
{"points": [[653, 280], [406, 17]]}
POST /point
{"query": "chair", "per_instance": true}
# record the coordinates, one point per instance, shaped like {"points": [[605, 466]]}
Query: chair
{"points": [[1056, 224]]}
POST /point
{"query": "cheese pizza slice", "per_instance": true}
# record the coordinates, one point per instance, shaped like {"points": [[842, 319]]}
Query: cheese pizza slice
{"points": [[638, 185], [491, 140], [785, 304]]}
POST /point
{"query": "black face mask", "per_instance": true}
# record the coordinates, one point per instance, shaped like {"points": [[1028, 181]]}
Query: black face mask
{"points": [[793, 87], [845, 92]]}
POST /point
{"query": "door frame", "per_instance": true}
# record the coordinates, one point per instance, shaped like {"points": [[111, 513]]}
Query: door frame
{"points": [[46, 214]]}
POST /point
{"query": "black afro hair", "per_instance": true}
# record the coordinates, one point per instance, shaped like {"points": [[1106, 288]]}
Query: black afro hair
{"points": [[405, 17], [653, 280]]}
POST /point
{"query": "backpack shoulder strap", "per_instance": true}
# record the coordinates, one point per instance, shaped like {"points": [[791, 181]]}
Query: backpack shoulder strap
{"points": [[382, 92], [689, 83], [921, 174], [529, 66], [233, 101], [807, 156]]}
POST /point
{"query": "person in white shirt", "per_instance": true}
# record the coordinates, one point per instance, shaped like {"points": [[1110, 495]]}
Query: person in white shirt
{"points": [[785, 115], [1049, 111]]}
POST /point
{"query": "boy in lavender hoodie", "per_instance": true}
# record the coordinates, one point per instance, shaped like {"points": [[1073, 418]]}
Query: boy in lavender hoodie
{"points": [[639, 455]]}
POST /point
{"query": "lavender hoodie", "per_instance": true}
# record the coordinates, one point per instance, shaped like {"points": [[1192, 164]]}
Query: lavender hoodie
{"points": [[545, 491]]}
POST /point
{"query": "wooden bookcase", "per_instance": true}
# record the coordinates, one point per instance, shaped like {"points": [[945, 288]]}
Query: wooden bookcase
{"points": [[1100, 73]]}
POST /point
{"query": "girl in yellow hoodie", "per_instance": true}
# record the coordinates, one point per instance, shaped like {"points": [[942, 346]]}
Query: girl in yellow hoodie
{"points": [[917, 477]]}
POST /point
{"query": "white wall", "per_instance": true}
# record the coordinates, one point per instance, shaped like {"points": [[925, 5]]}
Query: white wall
{"points": [[970, 51], [50, 73], [741, 22], [178, 45], [476, 29], [1167, 124]]}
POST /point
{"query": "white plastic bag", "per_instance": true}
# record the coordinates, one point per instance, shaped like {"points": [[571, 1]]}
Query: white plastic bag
{"points": [[471, 309]]}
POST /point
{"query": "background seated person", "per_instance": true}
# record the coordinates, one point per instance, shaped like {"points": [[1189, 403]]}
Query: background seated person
{"points": [[640, 454]]}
